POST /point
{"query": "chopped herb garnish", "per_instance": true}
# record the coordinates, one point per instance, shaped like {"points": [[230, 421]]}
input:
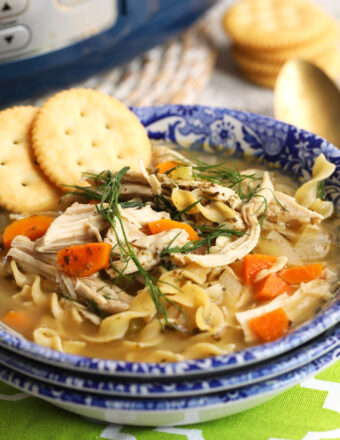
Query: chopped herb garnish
{"points": [[94, 308], [98, 190], [89, 303], [132, 204], [167, 263], [69, 298], [162, 204], [222, 174], [264, 205], [207, 235], [179, 214], [320, 190], [172, 169]]}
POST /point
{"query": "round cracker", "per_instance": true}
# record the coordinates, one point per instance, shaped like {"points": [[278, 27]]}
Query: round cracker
{"points": [[23, 186], [260, 79], [82, 129], [327, 61], [310, 50], [254, 65], [270, 24]]}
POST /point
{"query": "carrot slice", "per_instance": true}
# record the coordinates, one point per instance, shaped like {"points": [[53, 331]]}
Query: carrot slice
{"points": [[32, 227], [254, 263], [20, 321], [166, 166], [85, 259], [302, 274], [270, 287], [165, 224], [270, 326]]}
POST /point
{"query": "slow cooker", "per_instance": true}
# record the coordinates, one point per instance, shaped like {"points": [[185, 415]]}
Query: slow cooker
{"points": [[50, 44]]}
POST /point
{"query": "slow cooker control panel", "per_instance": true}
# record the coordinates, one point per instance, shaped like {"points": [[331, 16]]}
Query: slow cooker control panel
{"points": [[33, 27]]}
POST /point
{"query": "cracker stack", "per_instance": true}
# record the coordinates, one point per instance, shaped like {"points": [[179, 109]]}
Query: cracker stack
{"points": [[267, 33], [43, 152]]}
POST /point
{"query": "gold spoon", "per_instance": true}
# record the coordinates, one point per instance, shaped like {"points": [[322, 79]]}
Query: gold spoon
{"points": [[306, 97]]}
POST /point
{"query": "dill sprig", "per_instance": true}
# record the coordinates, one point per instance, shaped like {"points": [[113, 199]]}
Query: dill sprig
{"points": [[108, 186], [246, 186], [222, 174], [173, 169], [243, 184], [89, 303], [320, 190], [162, 204], [97, 191], [179, 214], [94, 308], [207, 235], [254, 192], [132, 204]]}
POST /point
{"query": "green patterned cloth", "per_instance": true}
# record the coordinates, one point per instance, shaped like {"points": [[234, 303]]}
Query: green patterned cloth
{"points": [[310, 411]]}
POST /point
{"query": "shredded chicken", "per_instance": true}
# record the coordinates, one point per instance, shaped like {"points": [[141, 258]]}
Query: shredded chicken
{"points": [[135, 184], [129, 190], [148, 250], [79, 224], [134, 177], [292, 212], [141, 216], [236, 249], [134, 219], [107, 297], [202, 189], [164, 184], [23, 252]]}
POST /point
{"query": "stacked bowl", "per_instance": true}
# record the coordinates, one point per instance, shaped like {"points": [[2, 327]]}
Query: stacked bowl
{"points": [[142, 393]]}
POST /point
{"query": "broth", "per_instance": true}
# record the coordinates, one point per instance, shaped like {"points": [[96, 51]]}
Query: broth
{"points": [[75, 332]]}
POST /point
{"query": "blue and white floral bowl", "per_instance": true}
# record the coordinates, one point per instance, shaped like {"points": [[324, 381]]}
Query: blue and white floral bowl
{"points": [[176, 387], [216, 131], [171, 411]]}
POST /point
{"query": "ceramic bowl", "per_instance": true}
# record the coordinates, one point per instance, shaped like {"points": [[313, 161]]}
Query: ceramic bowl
{"points": [[170, 411], [216, 131], [173, 388]]}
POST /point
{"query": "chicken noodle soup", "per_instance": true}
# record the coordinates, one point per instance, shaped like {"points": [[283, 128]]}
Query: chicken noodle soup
{"points": [[183, 260]]}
